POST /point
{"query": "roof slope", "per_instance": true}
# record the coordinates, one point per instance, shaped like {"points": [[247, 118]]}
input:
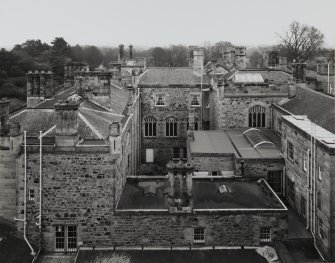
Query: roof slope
{"points": [[171, 76], [318, 107]]}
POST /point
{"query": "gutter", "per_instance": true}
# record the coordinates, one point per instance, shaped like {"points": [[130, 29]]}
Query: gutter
{"points": [[24, 220]]}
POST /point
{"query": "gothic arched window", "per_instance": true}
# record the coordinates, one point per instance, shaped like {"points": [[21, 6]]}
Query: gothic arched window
{"points": [[150, 127], [171, 127], [257, 116]]}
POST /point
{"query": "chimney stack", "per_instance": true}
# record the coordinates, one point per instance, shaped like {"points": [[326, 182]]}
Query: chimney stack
{"points": [[66, 123], [292, 90], [131, 51], [121, 53], [240, 57], [179, 187], [4, 116], [198, 60], [16, 137], [115, 137]]}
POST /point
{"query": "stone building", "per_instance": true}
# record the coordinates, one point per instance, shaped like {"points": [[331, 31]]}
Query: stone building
{"points": [[167, 96], [309, 151]]}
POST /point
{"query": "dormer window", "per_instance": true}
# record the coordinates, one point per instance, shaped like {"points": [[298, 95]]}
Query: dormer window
{"points": [[160, 99], [195, 99]]}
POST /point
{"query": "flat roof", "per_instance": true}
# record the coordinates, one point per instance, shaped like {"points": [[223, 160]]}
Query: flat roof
{"points": [[233, 141], [212, 142], [304, 124], [168, 256], [241, 194]]}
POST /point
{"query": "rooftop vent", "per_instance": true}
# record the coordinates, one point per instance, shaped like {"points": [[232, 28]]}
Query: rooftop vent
{"points": [[150, 190], [224, 189]]}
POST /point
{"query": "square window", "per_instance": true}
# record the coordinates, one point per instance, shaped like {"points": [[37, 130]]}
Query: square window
{"points": [[199, 235], [31, 194], [265, 234], [176, 153], [160, 99]]}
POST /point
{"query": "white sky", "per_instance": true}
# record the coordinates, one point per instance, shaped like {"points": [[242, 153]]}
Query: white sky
{"points": [[158, 22]]}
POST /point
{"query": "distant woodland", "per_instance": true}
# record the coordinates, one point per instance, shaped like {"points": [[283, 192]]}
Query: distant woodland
{"points": [[36, 55]]}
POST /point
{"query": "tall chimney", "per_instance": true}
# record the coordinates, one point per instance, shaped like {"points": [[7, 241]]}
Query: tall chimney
{"points": [[240, 57], [121, 52], [198, 61], [131, 51], [4, 116], [66, 123]]}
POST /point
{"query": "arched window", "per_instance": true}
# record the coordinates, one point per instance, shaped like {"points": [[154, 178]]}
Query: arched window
{"points": [[150, 127], [257, 116], [171, 127], [319, 200]]}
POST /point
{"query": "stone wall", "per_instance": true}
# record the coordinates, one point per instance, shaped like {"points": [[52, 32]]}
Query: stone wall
{"points": [[7, 180], [177, 105], [231, 104], [206, 162], [164, 229], [324, 159]]}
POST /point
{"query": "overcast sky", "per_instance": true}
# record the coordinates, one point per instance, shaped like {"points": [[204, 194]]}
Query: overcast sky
{"points": [[160, 22]]}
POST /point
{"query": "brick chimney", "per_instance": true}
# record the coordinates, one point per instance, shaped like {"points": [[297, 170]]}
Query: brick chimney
{"points": [[4, 117], [121, 53], [240, 57], [179, 187], [130, 51], [198, 60], [115, 137], [66, 123]]}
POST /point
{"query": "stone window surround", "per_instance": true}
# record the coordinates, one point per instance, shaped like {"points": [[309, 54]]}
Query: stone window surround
{"points": [[150, 127], [257, 116], [31, 194], [171, 127]]}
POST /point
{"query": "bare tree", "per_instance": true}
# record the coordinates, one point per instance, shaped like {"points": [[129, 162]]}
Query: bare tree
{"points": [[301, 41]]}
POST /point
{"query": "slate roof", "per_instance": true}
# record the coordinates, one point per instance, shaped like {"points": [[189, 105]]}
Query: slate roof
{"points": [[171, 76], [318, 107]]}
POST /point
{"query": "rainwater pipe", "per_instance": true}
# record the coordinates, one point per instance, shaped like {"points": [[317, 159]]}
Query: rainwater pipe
{"points": [[24, 220]]}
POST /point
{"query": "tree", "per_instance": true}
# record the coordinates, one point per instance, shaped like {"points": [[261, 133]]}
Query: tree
{"points": [[178, 56], [92, 56], [301, 41], [160, 57]]}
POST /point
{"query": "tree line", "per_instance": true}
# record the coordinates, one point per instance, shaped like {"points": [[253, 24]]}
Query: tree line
{"points": [[300, 43]]}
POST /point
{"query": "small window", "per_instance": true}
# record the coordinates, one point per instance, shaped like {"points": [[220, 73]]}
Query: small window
{"points": [[199, 235], [290, 151], [320, 173], [65, 238], [265, 234], [279, 125], [31, 194], [257, 116], [195, 100], [305, 162], [319, 200], [215, 173], [176, 153], [160, 99]]}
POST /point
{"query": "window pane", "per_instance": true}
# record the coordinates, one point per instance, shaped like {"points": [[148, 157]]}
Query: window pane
{"points": [[175, 129], [154, 129], [60, 238], [146, 127], [167, 129], [72, 238]]}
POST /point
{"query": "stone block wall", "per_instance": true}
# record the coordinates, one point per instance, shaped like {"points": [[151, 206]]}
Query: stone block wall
{"points": [[78, 188], [7, 180], [324, 159], [206, 162], [224, 229], [261, 167], [177, 105]]}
